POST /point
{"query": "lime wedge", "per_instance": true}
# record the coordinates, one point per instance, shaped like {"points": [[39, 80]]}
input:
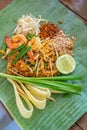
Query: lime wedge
{"points": [[65, 64]]}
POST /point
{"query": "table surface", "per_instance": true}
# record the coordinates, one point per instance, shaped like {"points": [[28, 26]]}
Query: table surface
{"points": [[6, 121], [77, 6]]}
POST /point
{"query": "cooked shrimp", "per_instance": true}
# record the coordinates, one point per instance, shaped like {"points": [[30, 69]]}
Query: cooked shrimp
{"points": [[16, 41], [36, 43], [30, 55]]}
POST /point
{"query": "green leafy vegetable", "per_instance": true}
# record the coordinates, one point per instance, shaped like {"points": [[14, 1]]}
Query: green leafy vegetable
{"points": [[61, 78], [17, 49], [26, 57], [22, 53], [58, 86], [30, 36], [53, 84]]}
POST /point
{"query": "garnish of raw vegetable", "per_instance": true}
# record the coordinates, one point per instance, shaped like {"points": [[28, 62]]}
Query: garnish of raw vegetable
{"points": [[28, 24], [53, 83], [65, 64]]}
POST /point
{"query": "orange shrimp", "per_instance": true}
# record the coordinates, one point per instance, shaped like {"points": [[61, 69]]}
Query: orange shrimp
{"points": [[30, 55], [36, 43], [16, 41]]}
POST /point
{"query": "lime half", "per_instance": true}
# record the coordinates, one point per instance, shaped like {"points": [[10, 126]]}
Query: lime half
{"points": [[65, 64]]}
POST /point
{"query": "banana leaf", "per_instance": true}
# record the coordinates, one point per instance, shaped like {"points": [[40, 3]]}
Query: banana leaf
{"points": [[67, 109]]}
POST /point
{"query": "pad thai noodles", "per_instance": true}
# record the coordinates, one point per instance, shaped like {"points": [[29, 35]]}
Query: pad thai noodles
{"points": [[46, 41]]}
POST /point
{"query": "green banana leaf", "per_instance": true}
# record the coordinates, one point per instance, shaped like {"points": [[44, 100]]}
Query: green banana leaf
{"points": [[67, 109]]}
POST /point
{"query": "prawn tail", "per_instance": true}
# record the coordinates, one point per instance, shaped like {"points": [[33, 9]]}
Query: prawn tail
{"points": [[8, 41]]}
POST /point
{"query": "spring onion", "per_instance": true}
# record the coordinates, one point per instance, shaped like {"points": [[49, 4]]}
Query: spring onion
{"points": [[17, 49], [22, 53], [30, 36], [54, 84]]}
